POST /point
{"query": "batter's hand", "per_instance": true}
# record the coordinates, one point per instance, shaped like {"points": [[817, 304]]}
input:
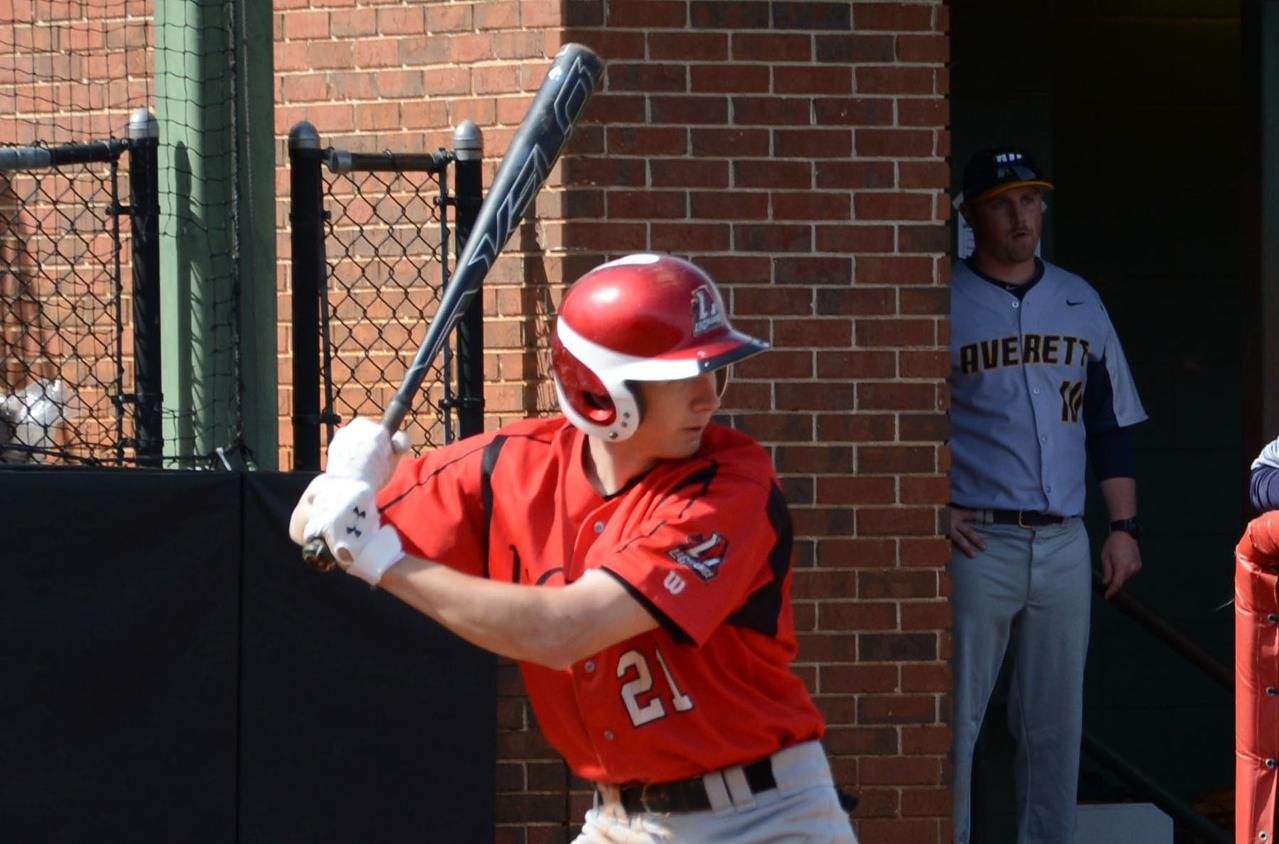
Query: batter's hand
{"points": [[363, 450], [962, 534], [1120, 560], [344, 513]]}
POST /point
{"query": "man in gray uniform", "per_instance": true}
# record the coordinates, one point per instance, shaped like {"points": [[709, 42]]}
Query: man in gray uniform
{"points": [[1039, 385]]}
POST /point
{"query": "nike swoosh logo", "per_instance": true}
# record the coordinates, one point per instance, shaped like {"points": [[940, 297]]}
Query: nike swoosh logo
{"points": [[1073, 304]]}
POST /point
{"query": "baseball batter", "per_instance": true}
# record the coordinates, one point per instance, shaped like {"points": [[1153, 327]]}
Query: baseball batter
{"points": [[1039, 385], [632, 555]]}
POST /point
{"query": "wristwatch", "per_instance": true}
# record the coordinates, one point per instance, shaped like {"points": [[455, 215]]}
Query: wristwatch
{"points": [[1130, 526]]}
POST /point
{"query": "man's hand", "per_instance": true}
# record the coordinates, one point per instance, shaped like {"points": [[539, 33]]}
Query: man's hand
{"points": [[961, 533], [1120, 560], [363, 450], [344, 513]]}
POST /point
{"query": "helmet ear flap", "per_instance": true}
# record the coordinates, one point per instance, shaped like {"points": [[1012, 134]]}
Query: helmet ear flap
{"points": [[582, 388]]}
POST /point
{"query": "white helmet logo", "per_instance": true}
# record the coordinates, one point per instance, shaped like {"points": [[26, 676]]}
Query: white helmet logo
{"points": [[706, 312]]}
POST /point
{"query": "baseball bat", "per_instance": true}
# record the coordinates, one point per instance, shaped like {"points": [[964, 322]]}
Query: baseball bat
{"points": [[555, 110]]}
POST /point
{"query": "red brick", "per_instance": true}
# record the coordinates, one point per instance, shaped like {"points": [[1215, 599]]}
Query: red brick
{"points": [[772, 47], [925, 364], [647, 205], [306, 25], [810, 205], [896, 396], [772, 174], [913, 111], [896, 459], [771, 111], [647, 140], [900, 831], [855, 490], [894, 143], [685, 238], [772, 238], [857, 427], [813, 143], [897, 17], [536, 13], [692, 111], [855, 48], [854, 111], [899, 708], [827, 79], [729, 205], [926, 615], [404, 20], [916, 490], [896, 583], [872, 79], [647, 14], [813, 271], [729, 78], [897, 521], [856, 239], [688, 46], [924, 174], [920, 740], [648, 78], [933, 552], [926, 677], [856, 364], [853, 175], [892, 206], [861, 678], [716, 14], [732, 143], [811, 396], [688, 173], [457, 18], [860, 740]]}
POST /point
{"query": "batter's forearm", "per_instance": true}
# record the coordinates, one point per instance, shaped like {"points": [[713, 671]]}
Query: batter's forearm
{"points": [[550, 626], [1121, 497]]}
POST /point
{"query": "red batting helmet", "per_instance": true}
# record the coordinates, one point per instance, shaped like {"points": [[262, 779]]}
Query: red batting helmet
{"points": [[640, 318]]}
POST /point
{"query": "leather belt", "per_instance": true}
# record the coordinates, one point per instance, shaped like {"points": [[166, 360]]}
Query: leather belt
{"points": [[687, 795], [1025, 518]]}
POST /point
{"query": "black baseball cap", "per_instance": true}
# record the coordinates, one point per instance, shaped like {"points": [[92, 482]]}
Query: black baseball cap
{"points": [[993, 171]]}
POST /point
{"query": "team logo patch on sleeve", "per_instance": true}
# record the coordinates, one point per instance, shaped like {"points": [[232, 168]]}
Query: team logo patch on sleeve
{"points": [[701, 554]]}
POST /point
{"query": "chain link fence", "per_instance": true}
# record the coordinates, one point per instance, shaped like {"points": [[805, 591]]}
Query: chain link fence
{"points": [[66, 303], [370, 242]]}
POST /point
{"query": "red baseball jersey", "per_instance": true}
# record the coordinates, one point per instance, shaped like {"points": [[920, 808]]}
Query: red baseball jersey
{"points": [[704, 543]]}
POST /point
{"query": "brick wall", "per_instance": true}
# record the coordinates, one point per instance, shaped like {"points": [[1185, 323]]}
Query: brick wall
{"points": [[797, 151]]}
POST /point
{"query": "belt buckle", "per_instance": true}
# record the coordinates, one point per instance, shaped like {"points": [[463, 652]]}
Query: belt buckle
{"points": [[1020, 523], [644, 800]]}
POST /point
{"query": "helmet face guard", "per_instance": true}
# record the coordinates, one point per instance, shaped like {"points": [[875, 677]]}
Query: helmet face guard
{"points": [[644, 317]]}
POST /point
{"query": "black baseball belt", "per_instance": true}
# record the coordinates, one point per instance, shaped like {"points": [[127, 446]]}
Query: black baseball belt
{"points": [[688, 795], [1025, 518]]}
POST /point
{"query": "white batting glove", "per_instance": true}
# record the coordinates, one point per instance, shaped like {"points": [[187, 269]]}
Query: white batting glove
{"points": [[363, 450], [344, 513]]}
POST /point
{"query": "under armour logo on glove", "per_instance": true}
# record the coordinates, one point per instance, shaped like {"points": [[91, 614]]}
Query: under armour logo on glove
{"points": [[343, 512]]}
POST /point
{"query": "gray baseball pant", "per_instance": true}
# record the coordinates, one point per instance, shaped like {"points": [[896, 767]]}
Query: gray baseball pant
{"points": [[803, 809], [1029, 591]]}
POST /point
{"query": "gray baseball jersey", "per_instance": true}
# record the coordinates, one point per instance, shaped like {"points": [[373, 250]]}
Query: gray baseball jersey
{"points": [[1029, 379]]}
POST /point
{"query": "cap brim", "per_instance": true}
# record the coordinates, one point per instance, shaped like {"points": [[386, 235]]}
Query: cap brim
{"points": [[1007, 186]]}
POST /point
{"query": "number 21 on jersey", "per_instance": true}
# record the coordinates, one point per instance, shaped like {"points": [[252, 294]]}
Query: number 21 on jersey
{"points": [[634, 664]]}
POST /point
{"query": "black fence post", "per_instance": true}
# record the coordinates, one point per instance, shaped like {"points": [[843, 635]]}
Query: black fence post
{"points": [[144, 221], [468, 146], [306, 216]]}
